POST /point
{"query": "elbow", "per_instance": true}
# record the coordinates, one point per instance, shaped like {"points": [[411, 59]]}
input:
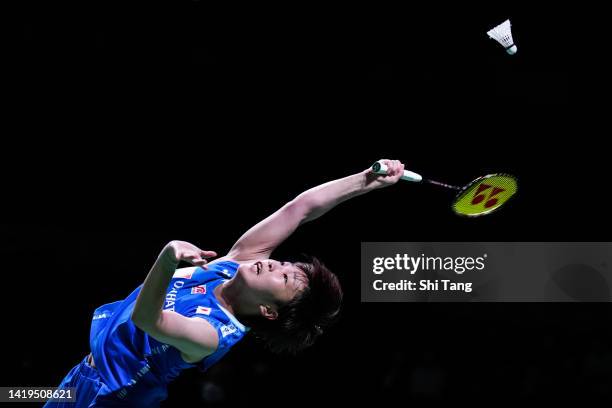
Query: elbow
{"points": [[303, 206], [143, 323], [300, 210], [136, 319], [307, 208]]}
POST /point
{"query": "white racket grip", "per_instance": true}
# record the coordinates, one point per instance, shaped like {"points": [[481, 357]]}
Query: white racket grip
{"points": [[380, 168]]}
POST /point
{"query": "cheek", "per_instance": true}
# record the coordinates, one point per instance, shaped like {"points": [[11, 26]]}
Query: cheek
{"points": [[268, 284], [262, 283]]}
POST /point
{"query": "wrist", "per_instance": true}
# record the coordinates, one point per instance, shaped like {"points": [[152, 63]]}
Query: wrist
{"points": [[369, 180], [169, 255]]}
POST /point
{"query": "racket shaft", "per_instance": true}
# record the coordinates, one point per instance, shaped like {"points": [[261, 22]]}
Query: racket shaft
{"points": [[437, 183]]}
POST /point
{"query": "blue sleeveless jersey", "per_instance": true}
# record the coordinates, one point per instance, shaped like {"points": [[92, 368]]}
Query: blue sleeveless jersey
{"points": [[136, 368]]}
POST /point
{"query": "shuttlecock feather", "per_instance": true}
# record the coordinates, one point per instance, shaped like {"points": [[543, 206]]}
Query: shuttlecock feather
{"points": [[503, 35]]}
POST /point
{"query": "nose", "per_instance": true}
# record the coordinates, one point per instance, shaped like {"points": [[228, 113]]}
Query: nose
{"points": [[274, 266]]}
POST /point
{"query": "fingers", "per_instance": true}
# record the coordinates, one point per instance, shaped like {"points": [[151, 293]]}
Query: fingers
{"points": [[399, 169], [198, 261], [185, 251], [208, 254], [204, 254], [396, 167], [395, 170]]}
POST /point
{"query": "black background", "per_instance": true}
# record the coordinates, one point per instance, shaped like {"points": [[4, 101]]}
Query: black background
{"points": [[137, 124]]}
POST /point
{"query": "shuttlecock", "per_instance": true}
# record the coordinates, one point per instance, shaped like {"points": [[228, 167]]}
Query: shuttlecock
{"points": [[503, 35]]}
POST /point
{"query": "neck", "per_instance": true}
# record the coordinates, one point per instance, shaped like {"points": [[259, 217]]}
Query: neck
{"points": [[231, 296]]}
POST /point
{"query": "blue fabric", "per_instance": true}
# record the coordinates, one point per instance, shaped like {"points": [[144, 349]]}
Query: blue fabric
{"points": [[87, 382], [132, 368]]}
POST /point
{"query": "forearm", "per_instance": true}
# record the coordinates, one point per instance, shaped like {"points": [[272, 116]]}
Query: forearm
{"points": [[261, 239], [149, 303], [318, 200]]}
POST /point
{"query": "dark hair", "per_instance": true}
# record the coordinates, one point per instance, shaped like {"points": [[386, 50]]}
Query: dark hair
{"points": [[303, 319]]}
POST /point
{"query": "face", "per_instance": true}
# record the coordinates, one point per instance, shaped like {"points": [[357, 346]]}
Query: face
{"points": [[273, 282]]}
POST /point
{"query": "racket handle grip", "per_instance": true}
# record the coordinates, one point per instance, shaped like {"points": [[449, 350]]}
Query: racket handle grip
{"points": [[380, 168]]}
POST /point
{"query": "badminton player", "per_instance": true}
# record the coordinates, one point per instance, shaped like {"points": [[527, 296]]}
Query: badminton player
{"points": [[191, 317]]}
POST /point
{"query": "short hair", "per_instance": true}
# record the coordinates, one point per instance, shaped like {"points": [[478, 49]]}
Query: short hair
{"points": [[304, 318]]}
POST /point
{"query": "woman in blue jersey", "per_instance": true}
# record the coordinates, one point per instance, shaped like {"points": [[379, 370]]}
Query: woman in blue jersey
{"points": [[191, 317]]}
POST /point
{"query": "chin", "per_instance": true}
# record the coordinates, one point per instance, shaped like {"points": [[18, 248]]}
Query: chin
{"points": [[245, 270]]}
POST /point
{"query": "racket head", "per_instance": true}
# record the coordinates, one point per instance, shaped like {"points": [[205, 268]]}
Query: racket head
{"points": [[485, 195]]}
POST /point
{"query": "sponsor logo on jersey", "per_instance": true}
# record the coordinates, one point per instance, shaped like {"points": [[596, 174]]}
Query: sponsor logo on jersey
{"points": [[171, 295], [201, 289], [204, 310], [227, 330]]}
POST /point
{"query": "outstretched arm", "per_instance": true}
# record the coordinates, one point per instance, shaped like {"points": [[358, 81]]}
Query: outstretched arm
{"points": [[263, 238]]}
